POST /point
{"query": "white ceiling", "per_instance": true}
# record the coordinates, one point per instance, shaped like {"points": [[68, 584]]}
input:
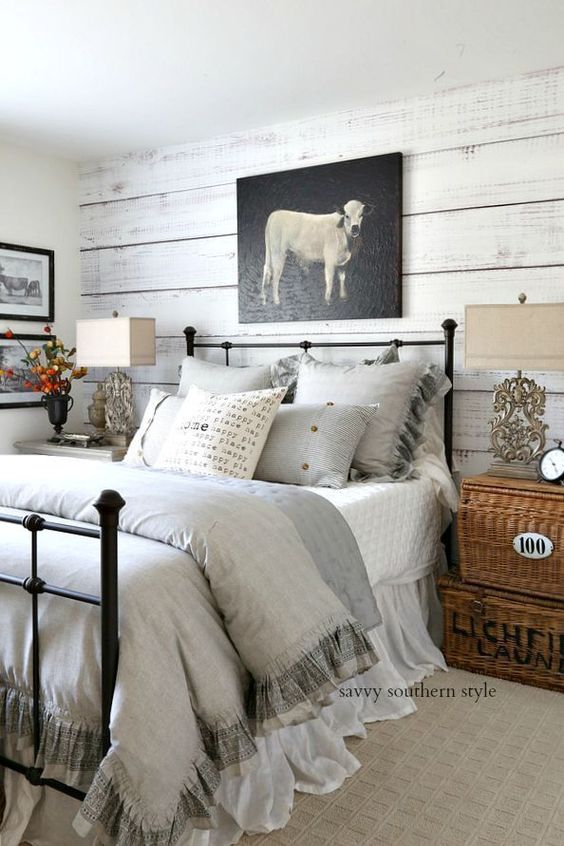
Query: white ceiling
{"points": [[88, 78]]}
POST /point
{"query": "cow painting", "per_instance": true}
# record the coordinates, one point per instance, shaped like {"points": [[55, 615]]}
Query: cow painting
{"points": [[27, 283], [321, 243], [326, 238]]}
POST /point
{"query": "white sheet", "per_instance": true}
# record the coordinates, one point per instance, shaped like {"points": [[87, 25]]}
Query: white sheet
{"points": [[398, 525]]}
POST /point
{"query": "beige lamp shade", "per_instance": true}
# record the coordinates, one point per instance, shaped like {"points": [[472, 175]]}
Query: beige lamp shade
{"points": [[514, 337], [115, 342]]}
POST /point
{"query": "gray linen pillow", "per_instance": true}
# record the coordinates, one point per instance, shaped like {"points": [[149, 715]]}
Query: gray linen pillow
{"points": [[313, 444], [156, 423], [220, 379], [284, 372], [403, 392]]}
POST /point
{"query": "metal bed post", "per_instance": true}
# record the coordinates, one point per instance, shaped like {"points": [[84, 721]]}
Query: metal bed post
{"points": [[190, 333], [449, 328], [108, 505]]}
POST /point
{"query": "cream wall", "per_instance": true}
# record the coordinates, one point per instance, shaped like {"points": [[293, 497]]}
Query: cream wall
{"points": [[483, 220], [39, 208]]}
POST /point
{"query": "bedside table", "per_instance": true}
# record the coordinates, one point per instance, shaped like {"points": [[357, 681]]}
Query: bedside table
{"points": [[504, 611], [94, 453]]}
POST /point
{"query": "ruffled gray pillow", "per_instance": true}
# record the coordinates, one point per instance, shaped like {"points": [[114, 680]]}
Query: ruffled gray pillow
{"points": [[403, 392], [284, 372]]}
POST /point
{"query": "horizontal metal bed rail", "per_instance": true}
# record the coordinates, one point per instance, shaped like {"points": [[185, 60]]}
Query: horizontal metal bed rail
{"points": [[108, 505]]}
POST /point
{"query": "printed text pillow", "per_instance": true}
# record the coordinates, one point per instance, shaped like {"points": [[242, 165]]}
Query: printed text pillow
{"points": [[220, 434]]}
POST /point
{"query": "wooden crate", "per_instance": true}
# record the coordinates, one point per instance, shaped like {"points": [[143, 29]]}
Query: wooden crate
{"points": [[503, 634], [494, 511]]}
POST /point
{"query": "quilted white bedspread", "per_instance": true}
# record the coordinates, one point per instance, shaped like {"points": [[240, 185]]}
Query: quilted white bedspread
{"points": [[397, 525]]}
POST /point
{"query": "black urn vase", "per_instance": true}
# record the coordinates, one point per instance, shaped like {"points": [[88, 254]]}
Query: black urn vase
{"points": [[58, 407]]}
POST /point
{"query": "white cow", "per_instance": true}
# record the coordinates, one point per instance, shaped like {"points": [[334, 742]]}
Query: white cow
{"points": [[311, 238]]}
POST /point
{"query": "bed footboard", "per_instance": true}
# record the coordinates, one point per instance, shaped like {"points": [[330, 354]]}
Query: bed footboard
{"points": [[108, 505]]}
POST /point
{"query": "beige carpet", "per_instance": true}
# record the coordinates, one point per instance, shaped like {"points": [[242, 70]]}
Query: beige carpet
{"points": [[455, 773]]}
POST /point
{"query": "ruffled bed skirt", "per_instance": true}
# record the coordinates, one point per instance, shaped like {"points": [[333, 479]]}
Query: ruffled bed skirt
{"points": [[311, 757]]}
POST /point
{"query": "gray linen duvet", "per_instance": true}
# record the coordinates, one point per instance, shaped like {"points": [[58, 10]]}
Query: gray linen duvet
{"points": [[242, 605]]}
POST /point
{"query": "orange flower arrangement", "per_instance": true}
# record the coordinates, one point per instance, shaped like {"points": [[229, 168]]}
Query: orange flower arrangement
{"points": [[54, 373]]}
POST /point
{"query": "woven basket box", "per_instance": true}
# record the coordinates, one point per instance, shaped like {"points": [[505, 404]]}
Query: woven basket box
{"points": [[493, 513], [505, 635]]}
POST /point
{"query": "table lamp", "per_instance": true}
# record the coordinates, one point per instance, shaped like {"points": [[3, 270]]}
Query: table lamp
{"points": [[516, 337], [117, 342]]}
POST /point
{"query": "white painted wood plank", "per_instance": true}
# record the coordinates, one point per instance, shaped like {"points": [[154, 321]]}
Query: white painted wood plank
{"points": [[525, 170], [522, 106], [202, 262], [527, 235], [188, 214]]}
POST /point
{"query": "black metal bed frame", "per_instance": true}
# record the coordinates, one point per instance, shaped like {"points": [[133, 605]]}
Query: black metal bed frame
{"points": [[108, 505], [447, 341]]}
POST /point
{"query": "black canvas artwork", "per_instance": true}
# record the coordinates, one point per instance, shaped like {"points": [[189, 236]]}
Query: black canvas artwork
{"points": [[321, 243]]}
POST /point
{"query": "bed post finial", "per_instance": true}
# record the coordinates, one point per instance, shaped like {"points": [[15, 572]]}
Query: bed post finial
{"points": [[190, 333]]}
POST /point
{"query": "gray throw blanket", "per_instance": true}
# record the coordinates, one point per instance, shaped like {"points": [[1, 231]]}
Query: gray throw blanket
{"points": [[230, 626]]}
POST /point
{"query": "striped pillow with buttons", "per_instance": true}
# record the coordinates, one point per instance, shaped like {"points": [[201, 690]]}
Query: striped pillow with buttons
{"points": [[313, 444]]}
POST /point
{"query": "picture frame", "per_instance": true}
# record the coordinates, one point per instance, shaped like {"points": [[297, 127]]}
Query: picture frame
{"points": [[27, 283], [322, 242], [12, 392]]}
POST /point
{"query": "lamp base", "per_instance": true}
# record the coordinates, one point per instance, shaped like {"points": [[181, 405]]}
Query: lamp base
{"points": [[514, 470], [518, 431], [97, 410], [118, 389]]}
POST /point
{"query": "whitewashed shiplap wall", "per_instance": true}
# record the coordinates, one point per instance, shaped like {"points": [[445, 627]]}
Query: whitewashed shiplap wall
{"points": [[483, 221]]}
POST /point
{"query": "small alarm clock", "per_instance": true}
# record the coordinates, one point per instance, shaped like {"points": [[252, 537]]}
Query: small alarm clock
{"points": [[551, 464]]}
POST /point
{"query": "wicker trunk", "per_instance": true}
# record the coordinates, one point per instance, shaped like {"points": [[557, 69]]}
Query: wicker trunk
{"points": [[504, 611], [493, 512], [503, 634]]}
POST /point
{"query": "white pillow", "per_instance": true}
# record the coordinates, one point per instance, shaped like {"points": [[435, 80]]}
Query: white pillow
{"points": [[157, 421], [220, 379], [403, 392], [220, 434]]}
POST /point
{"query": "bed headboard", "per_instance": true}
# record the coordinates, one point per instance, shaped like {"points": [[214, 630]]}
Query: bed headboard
{"points": [[447, 341]]}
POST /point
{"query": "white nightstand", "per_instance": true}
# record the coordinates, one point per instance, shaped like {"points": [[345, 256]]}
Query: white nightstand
{"points": [[94, 453]]}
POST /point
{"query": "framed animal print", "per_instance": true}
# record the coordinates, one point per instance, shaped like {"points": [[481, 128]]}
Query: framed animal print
{"points": [[27, 283], [18, 387], [321, 242]]}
